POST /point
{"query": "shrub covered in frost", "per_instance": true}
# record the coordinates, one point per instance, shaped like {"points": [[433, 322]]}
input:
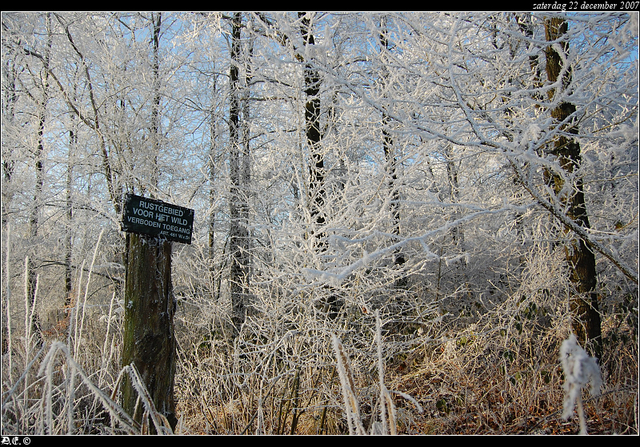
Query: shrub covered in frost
{"points": [[580, 370]]}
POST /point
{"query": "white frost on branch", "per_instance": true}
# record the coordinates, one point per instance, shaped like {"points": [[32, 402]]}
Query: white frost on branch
{"points": [[580, 370], [335, 279]]}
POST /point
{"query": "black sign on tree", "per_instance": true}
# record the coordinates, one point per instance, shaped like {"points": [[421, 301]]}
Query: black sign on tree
{"points": [[157, 218], [149, 343]]}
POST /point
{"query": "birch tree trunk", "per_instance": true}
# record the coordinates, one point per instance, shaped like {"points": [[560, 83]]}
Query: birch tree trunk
{"points": [[68, 243], [154, 134]]}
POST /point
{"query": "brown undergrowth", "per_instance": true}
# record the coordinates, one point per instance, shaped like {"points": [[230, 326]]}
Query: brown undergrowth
{"points": [[467, 391]]}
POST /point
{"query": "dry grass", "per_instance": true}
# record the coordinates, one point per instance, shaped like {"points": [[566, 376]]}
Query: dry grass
{"points": [[473, 383], [294, 370], [484, 379]]}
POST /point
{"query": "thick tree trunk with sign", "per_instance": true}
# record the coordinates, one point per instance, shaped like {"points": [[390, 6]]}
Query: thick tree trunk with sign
{"points": [[149, 341], [580, 258]]}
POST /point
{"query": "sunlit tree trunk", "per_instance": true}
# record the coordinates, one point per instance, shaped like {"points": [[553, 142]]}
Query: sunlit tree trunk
{"points": [[9, 99], [211, 172], [580, 258]]}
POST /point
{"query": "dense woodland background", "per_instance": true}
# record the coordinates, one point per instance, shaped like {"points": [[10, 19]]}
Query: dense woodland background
{"points": [[427, 168]]}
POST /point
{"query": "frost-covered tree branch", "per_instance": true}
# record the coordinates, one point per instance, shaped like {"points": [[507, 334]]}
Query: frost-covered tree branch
{"points": [[571, 225], [336, 278]]}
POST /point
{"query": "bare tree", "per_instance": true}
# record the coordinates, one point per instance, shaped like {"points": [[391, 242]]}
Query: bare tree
{"points": [[238, 207], [39, 159]]}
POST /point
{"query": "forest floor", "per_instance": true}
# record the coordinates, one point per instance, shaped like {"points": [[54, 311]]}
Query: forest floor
{"points": [[492, 403], [453, 390]]}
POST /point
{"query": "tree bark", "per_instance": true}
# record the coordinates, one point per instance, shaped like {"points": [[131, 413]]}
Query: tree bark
{"points": [[238, 230], [154, 133], [317, 192], [580, 258], [391, 162], [211, 166], [149, 341], [68, 243], [39, 155]]}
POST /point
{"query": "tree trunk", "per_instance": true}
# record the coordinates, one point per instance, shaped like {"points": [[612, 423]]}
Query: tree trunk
{"points": [[580, 259], [211, 165], [391, 162], [68, 242], [238, 230], [149, 341], [154, 133], [34, 220], [317, 192]]}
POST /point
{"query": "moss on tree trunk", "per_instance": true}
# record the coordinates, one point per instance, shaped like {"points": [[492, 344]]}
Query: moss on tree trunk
{"points": [[580, 259], [149, 341]]}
